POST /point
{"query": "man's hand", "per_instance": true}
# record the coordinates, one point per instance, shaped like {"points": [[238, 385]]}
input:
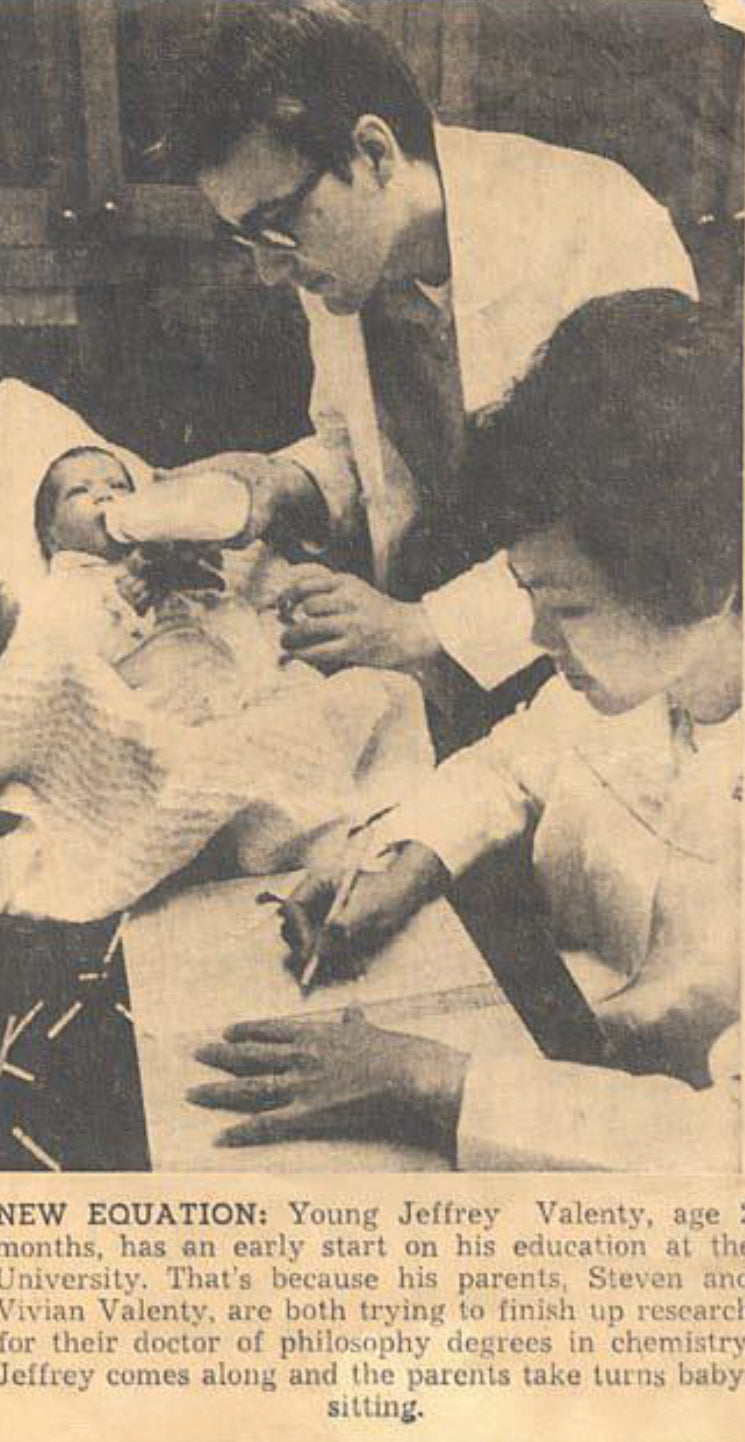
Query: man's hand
{"points": [[380, 904], [277, 488], [324, 1079], [333, 619]]}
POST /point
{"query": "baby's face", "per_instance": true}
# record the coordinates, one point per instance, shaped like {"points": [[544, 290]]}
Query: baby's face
{"points": [[85, 486]]}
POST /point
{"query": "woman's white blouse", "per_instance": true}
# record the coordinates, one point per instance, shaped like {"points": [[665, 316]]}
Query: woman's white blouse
{"points": [[637, 846], [636, 817]]}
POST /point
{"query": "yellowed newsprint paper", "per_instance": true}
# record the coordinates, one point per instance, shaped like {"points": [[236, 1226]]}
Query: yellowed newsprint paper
{"points": [[370, 754]]}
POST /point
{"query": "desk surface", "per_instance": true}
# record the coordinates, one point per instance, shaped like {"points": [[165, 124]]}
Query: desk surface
{"points": [[209, 957]]}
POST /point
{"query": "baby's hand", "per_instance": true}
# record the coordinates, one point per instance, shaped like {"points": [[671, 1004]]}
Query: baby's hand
{"points": [[134, 584], [184, 566]]}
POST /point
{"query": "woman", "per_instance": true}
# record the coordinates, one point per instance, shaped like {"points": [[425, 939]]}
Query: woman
{"points": [[626, 770]]}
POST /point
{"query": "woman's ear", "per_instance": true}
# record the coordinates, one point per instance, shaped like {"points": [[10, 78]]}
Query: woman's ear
{"points": [[376, 144]]}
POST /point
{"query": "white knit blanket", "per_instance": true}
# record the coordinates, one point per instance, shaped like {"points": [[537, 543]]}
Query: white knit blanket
{"points": [[112, 797]]}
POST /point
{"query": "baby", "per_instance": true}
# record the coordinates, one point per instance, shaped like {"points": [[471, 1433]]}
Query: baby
{"points": [[205, 659], [189, 646]]}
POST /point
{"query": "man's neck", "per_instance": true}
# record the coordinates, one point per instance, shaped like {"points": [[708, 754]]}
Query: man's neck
{"points": [[421, 251]]}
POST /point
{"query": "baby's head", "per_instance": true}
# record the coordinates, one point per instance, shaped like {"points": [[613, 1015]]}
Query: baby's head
{"points": [[70, 507]]}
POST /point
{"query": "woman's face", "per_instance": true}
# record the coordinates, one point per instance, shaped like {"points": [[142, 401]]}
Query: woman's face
{"points": [[614, 656]]}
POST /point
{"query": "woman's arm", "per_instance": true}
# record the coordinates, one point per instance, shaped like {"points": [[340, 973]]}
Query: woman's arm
{"points": [[483, 798], [500, 1113]]}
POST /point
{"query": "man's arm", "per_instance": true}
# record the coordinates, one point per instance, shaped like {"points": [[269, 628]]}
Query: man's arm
{"points": [[571, 227], [308, 491], [327, 455]]}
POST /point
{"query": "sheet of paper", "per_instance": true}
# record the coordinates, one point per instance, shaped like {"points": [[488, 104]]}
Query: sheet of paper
{"points": [[212, 956]]}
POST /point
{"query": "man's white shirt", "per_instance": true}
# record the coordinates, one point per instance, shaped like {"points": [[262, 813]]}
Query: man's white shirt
{"points": [[534, 231]]}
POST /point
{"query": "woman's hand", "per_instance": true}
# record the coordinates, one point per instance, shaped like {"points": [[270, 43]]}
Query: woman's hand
{"points": [[334, 1079], [380, 904], [333, 619]]}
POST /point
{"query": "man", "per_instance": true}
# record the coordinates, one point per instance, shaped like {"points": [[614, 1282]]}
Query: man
{"points": [[431, 262]]}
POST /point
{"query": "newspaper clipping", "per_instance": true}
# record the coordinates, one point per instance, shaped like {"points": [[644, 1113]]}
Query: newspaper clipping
{"points": [[371, 769]]}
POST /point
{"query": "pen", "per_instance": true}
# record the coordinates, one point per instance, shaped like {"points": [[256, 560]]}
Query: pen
{"points": [[359, 842], [346, 887]]}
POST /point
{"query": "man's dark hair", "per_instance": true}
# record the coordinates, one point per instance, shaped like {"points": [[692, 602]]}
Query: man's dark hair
{"points": [[628, 429], [305, 69], [45, 503]]}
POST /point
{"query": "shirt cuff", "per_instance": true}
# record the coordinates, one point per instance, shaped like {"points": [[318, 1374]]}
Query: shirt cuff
{"points": [[526, 1113], [484, 621], [457, 830], [332, 478]]}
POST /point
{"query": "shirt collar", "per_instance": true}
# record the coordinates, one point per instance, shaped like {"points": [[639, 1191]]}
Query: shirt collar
{"points": [[651, 742], [709, 736], [477, 175], [468, 185]]}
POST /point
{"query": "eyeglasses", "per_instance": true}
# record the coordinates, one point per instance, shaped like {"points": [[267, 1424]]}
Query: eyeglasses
{"points": [[271, 224]]}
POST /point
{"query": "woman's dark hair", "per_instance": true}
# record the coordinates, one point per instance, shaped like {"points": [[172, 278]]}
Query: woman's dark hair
{"points": [[628, 429], [45, 502], [305, 69]]}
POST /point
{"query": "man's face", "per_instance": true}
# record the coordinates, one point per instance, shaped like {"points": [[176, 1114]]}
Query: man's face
{"points": [[85, 485], [614, 656], [343, 230]]}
